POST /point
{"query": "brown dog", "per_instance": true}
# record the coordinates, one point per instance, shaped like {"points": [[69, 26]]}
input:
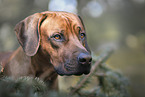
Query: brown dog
{"points": [[51, 43]]}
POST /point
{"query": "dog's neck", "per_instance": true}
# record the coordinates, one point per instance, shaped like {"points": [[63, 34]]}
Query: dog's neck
{"points": [[44, 69], [19, 64]]}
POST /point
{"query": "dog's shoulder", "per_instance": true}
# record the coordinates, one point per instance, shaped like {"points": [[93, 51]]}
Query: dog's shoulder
{"points": [[4, 56]]}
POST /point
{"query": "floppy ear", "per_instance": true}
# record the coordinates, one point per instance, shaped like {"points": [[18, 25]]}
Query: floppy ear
{"points": [[27, 32]]}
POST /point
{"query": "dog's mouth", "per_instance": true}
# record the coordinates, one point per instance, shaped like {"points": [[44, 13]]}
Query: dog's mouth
{"points": [[71, 69]]}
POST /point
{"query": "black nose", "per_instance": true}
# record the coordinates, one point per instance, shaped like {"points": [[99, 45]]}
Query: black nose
{"points": [[84, 58]]}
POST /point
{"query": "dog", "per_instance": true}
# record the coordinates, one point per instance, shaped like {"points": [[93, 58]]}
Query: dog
{"points": [[51, 44]]}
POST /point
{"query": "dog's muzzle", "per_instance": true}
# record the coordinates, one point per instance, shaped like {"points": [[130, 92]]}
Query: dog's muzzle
{"points": [[81, 65]]}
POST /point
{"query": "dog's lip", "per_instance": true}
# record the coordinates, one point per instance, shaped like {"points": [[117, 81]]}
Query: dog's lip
{"points": [[69, 67], [74, 71]]}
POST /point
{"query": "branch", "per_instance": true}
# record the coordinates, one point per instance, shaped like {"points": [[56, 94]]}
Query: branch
{"points": [[102, 58]]}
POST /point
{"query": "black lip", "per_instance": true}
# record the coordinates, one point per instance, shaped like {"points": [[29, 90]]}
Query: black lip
{"points": [[69, 67], [73, 73]]}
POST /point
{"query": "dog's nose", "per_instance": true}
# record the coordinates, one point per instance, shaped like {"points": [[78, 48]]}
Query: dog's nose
{"points": [[84, 58]]}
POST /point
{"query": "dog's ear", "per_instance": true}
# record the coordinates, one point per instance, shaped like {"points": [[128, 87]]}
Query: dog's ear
{"points": [[27, 32], [81, 21], [86, 44]]}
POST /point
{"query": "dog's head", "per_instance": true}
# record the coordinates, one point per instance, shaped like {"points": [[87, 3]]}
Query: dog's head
{"points": [[61, 36]]}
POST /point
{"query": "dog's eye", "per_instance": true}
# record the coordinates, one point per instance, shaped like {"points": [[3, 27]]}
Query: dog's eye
{"points": [[83, 35], [57, 37]]}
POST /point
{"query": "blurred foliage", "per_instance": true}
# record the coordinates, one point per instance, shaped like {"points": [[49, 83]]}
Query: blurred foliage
{"points": [[113, 84]]}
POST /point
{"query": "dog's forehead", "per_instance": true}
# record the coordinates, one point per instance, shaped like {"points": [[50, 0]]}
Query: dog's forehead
{"points": [[58, 21], [57, 13], [63, 17]]}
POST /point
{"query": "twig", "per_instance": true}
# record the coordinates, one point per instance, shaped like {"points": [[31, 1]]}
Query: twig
{"points": [[103, 57], [100, 74]]}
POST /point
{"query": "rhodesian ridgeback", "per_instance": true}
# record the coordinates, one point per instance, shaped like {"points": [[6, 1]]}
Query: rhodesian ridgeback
{"points": [[52, 43]]}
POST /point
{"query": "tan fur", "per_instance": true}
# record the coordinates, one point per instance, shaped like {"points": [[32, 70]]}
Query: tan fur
{"points": [[40, 55]]}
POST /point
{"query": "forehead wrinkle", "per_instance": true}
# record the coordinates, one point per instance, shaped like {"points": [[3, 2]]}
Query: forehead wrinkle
{"points": [[74, 29], [68, 22], [54, 24], [71, 22], [66, 25]]}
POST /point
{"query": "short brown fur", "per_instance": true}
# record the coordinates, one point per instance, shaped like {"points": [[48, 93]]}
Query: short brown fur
{"points": [[40, 54]]}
